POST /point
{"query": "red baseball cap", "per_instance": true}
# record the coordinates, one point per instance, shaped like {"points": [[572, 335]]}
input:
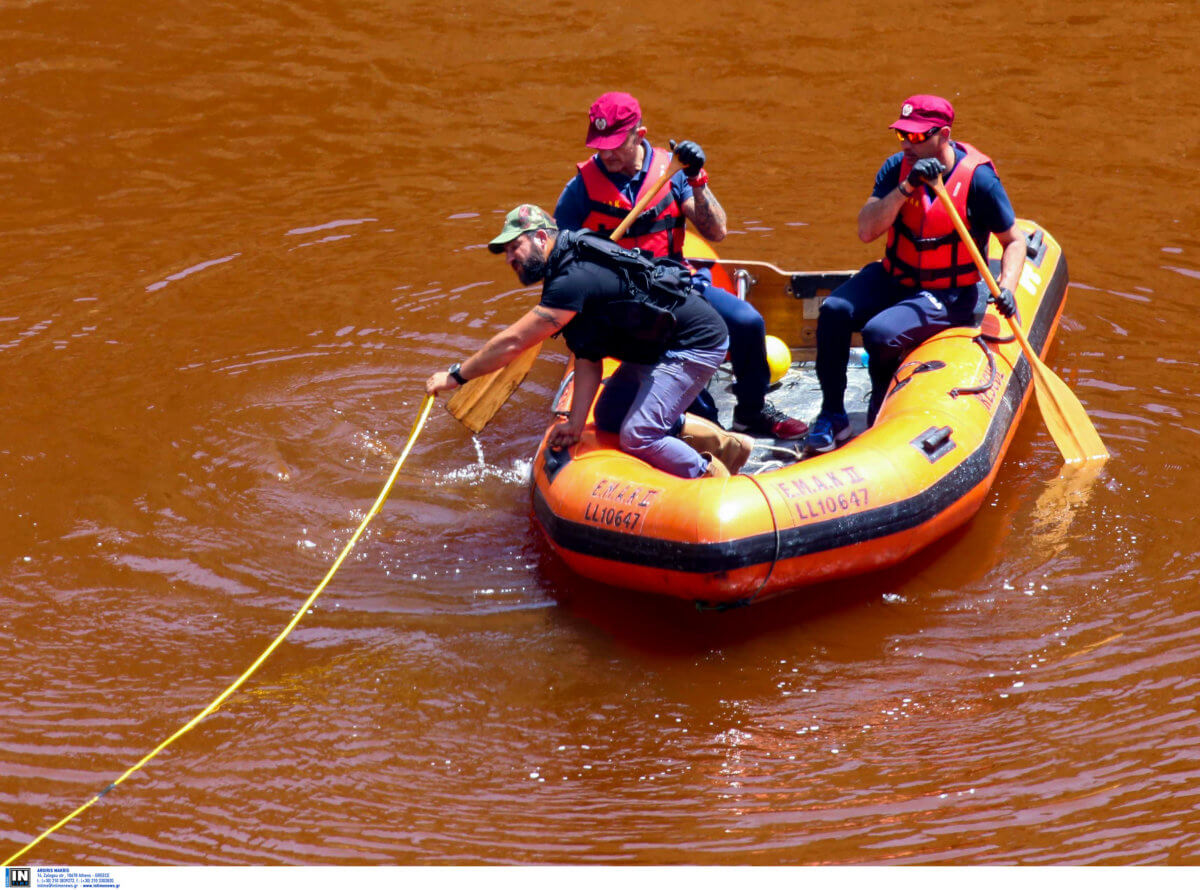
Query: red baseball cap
{"points": [[610, 119], [921, 113]]}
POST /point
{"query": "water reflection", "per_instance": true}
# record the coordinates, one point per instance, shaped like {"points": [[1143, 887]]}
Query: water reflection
{"points": [[1064, 497]]}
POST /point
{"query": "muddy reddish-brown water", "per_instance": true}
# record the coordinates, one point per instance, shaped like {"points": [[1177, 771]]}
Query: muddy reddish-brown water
{"points": [[237, 239]]}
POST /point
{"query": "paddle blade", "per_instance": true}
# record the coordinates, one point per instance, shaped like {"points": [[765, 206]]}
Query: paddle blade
{"points": [[476, 403], [1068, 424]]}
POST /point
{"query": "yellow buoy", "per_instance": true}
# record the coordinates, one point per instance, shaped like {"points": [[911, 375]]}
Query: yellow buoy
{"points": [[779, 358]]}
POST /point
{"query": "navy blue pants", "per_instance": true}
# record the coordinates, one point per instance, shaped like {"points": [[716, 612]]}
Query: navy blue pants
{"points": [[747, 351], [893, 319]]}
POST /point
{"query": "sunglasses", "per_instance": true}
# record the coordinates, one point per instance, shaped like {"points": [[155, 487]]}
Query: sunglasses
{"points": [[916, 138]]}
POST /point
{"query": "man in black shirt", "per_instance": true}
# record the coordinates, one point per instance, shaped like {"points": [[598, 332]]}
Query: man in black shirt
{"points": [[668, 352]]}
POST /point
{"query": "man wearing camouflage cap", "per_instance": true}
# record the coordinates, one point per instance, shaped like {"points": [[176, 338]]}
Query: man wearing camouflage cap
{"points": [[663, 366]]}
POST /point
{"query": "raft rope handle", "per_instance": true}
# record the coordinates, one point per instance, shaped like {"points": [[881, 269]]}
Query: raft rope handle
{"points": [[562, 408], [707, 605], [216, 703], [778, 541], [980, 340]]}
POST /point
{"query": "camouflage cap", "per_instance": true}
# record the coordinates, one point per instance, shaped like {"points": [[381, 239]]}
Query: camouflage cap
{"points": [[526, 218]]}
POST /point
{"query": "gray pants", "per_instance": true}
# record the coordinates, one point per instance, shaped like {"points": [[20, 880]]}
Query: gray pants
{"points": [[645, 405]]}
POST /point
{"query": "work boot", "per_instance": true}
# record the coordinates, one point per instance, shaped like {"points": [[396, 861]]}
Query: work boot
{"points": [[715, 469], [732, 449]]}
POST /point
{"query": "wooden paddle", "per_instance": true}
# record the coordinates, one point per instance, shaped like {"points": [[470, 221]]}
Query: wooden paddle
{"points": [[1065, 417], [476, 403]]}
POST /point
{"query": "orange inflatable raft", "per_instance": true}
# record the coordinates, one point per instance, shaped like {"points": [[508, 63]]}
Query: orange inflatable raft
{"points": [[922, 470]]}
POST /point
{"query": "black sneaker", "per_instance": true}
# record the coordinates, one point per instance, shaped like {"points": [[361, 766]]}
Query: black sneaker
{"points": [[770, 423]]}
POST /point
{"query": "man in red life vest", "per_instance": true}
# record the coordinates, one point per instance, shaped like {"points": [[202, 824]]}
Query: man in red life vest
{"points": [[604, 190], [926, 281]]}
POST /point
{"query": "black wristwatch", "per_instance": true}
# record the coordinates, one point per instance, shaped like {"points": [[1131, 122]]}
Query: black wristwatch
{"points": [[456, 372]]}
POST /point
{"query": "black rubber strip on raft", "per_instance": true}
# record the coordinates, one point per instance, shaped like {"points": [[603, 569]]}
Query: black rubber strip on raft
{"points": [[590, 540]]}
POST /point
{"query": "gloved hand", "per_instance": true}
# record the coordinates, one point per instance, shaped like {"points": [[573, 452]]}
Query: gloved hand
{"points": [[691, 156], [924, 170], [1005, 302]]}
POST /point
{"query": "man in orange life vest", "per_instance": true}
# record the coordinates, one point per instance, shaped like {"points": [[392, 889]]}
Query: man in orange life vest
{"points": [[926, 281], [605, 189]]}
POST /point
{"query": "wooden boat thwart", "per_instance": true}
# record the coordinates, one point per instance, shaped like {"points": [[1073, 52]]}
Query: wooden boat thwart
{"points": [[921, 471]]}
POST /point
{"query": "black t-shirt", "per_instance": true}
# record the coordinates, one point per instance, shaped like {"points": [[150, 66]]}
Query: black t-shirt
{"points": [[573, 283]]}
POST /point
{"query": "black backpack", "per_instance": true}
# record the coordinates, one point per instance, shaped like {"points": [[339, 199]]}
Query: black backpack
{"points": [[638, 327]]}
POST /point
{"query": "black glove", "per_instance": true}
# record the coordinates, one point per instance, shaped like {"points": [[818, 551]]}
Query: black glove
{"points": [[1005, 302], [924, 170], [691, 156]]}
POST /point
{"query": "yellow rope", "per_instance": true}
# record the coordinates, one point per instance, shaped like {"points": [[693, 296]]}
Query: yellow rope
{"points": [[216, 703]]}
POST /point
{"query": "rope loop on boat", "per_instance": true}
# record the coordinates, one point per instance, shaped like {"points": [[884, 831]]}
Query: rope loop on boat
{"points": [[216, 703], [778, 541], [980, 340], [706, 606]]}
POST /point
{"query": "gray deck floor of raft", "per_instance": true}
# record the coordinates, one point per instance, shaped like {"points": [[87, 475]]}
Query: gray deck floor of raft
{"points": [[797, 395]]}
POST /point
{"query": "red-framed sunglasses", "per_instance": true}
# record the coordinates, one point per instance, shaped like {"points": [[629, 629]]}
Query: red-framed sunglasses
{"points": [[915, 138]]}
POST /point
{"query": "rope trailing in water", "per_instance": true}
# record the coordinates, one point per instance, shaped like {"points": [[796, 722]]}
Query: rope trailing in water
{"points": [[216, 703]]}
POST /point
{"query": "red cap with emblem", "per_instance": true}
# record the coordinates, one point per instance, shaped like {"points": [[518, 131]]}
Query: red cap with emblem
{"points": [[921, 113], [610, 119]]}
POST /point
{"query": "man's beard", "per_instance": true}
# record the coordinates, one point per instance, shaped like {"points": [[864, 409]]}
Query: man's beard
{"points": [[532, 270]]}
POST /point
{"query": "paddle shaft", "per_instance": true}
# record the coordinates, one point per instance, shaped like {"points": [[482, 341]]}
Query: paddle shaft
{"points": [[619, 232], [980, 262], [1065, 417]]}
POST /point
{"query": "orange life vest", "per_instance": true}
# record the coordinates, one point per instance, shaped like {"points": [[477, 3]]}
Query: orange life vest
{"points": [[659, 228], [923, 248]]}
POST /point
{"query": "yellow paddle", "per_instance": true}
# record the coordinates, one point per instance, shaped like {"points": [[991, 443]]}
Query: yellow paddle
{"points": [[619, 232], [1067, 421], [476, 403]]}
